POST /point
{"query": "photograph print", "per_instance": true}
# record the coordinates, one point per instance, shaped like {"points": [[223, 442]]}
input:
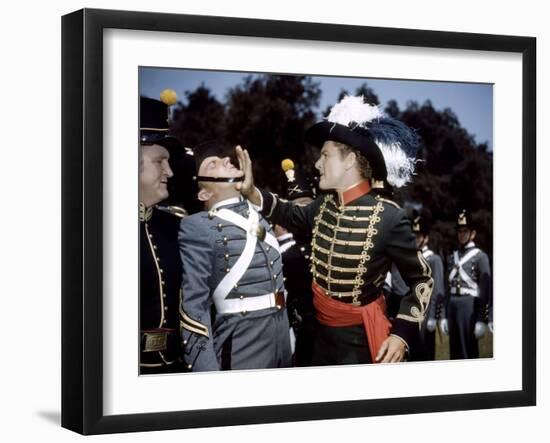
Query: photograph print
{"points": [[299, 221]]}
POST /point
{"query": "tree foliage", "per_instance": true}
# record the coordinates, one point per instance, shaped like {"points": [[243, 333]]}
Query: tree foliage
{"points": [[269, 114], [454, 173]]}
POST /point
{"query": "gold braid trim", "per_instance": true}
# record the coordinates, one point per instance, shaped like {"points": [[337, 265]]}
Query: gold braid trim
{"points": [[368, 245]]}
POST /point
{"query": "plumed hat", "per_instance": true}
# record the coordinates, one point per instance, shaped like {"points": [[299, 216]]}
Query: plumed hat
{"points": [[389, 145]]}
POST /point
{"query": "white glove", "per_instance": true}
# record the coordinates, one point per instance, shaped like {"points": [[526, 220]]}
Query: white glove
{"points": [[444, 326], [431, 324], [491, 326], [480, 329]]}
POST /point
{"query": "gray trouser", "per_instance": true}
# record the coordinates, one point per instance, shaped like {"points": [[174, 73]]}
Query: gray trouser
{"points": [[255, 340], [462, 315]]}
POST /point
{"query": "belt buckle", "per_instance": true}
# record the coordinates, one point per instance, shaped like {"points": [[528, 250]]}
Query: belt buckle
{"points": [[155, 341], [279, 300]]}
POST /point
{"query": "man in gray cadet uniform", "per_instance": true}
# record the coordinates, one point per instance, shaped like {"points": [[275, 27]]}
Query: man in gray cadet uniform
{"points": [[468, 291], [233, 311]]}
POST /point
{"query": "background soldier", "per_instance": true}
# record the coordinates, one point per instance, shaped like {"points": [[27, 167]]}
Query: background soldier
{"points": [[233, 310], [160, 265], [468, 290], [296, 253], [421, 229], [357, 233]]}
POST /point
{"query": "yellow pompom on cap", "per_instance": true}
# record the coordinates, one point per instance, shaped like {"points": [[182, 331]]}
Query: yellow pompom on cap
{"points": [[169, 97], [287, 164]]}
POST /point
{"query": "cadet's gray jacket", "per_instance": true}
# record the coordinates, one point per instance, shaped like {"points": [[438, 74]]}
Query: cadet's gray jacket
{"points": [[470, 276], [209, 247]]}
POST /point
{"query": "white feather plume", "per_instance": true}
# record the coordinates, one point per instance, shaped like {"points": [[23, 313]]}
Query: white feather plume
{"points": [[353, 109], [400, 167]]}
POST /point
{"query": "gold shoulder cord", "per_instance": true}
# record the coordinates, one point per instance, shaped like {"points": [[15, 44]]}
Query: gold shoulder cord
{"points": [[368, 245], [314, 245]]}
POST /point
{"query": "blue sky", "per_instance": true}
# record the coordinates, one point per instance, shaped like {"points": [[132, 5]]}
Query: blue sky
{"points": [[471, 102]]}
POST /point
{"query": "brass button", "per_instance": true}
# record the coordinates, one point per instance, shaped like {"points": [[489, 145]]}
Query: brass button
{"points": [[184, 342], [163, 295], [189, 366], [242, 297], [166, 308]]}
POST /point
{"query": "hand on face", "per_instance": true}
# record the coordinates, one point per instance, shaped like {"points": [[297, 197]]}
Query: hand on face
{"points": [[246, 187]]}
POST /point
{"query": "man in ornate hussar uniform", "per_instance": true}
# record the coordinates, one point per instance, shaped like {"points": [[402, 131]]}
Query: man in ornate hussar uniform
{"points": [[468, 291], [233, 310], [295, 254], [160, 264], [357, 232]]}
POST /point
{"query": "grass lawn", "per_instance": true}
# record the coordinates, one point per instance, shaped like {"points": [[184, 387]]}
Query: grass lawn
{"points": [[442, 346]]}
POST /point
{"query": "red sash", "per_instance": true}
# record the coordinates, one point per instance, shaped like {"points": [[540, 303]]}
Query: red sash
{"points": [[373, 316]]}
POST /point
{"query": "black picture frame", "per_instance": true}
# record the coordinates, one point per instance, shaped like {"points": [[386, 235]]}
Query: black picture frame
{"points": [[82, 232]]}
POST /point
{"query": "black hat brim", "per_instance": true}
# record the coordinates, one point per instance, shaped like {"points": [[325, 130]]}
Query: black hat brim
{"points": [[357, 138]]}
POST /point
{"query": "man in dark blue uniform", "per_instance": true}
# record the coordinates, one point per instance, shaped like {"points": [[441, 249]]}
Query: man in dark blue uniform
{"points": [[160, 264], [357, 232], [233, 309], [469, 286]]}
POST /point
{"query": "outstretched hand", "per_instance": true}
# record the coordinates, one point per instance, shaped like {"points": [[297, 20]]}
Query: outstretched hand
{"points": [[246, 187]]}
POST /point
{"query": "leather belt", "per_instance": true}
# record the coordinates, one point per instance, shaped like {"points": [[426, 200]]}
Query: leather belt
{"points": [[155, 340], [247, 304]]}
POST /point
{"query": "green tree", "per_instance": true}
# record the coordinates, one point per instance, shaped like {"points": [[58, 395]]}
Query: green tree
{"points": [[268, 115], [201, 118], [454, 173]]}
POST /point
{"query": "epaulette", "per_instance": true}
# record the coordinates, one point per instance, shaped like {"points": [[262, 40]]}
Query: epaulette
{"points": [[385, 200], [174, 210]]}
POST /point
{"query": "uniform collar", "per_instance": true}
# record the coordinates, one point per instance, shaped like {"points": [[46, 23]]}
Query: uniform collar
{"points": [[424, 248], [227, 202], [469, 245], [145, 213], [287, 236], [355, 192]]}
